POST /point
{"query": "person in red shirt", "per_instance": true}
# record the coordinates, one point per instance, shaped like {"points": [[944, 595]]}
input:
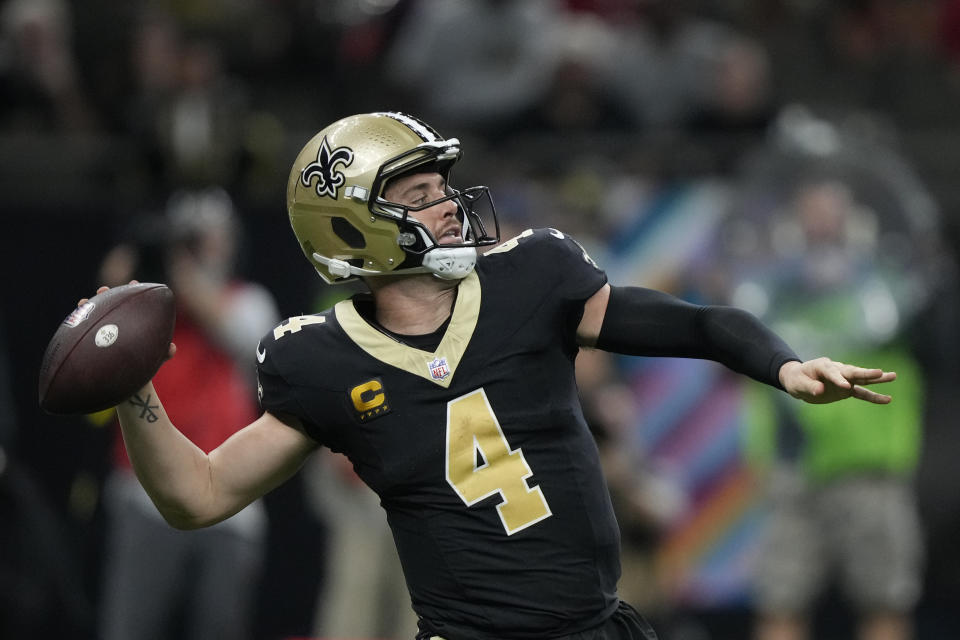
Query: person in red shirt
{"points": [[148, 564]]}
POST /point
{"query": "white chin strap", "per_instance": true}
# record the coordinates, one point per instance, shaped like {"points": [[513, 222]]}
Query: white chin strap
{"points": [[342, 268], [454, 263]]}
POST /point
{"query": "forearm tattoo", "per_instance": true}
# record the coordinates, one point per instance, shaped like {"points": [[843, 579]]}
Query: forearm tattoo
{"points": [[146, 409]]}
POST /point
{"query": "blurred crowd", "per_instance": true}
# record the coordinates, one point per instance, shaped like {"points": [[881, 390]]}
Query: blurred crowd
{"points": [[792, 157]]}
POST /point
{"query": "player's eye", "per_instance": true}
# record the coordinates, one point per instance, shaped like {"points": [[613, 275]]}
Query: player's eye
{"points": [[422, 197]]}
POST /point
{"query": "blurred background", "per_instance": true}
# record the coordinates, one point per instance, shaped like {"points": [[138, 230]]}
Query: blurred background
{"points": [[797, 158]]}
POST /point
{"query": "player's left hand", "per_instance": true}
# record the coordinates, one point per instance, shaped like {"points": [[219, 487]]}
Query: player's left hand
{"points": [[823, 380]]}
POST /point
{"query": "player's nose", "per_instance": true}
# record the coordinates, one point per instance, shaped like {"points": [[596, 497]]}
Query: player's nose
{"points": [[447, 208]]}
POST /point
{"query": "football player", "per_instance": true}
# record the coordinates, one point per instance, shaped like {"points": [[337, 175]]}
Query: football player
{"points": [[450, 387]]}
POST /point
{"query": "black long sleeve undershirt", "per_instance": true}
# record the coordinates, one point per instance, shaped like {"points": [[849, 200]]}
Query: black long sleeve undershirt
{"points": [[645, 322]]}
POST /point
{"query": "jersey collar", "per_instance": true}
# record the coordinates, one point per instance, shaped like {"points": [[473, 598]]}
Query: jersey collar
{"points": [[437, 367]]}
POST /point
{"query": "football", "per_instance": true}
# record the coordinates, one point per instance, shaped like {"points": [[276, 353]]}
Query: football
{"points": [[106, 349]]}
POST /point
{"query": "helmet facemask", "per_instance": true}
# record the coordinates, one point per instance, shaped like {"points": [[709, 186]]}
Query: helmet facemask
{"points": [[475, 213], [448, 260]]}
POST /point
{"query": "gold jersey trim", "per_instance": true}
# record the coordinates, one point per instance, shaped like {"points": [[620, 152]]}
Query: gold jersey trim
{"points": [[463, 322]]}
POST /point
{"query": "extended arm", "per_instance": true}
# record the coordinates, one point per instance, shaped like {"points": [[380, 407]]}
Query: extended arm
{"points": [[637, 321], [645, 322], [192, 489]]}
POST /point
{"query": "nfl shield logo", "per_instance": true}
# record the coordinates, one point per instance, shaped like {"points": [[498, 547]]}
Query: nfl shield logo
{"points": [[438, 368], [79, 314]]}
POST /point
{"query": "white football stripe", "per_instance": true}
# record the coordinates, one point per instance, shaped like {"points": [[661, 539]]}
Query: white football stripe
{"points": [[416, 126]]}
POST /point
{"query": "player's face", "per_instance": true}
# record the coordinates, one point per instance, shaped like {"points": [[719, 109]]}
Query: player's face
{"points": [[419, 189]]}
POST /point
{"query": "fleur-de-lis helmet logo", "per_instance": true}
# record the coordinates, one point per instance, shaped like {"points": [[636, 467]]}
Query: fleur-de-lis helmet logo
{"points": [[329, 178]]}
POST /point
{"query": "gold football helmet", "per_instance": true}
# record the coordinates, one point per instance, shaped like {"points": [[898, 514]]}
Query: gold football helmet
{"points": [[346, 227]]}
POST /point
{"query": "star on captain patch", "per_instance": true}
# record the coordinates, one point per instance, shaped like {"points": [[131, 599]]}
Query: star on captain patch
{"points": [[438, 368]]}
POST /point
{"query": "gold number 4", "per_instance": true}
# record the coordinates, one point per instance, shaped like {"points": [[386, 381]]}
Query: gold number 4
{"points": [[481, 464]]}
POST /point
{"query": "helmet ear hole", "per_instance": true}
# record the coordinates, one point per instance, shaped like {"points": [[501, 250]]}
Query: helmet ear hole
{"points": [[352, 236]]}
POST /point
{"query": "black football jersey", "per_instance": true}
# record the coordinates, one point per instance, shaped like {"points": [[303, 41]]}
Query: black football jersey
{"points": [[478, 450]]}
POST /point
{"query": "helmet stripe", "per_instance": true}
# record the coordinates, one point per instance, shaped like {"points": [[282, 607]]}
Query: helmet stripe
{"points": [[422, 129]]}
